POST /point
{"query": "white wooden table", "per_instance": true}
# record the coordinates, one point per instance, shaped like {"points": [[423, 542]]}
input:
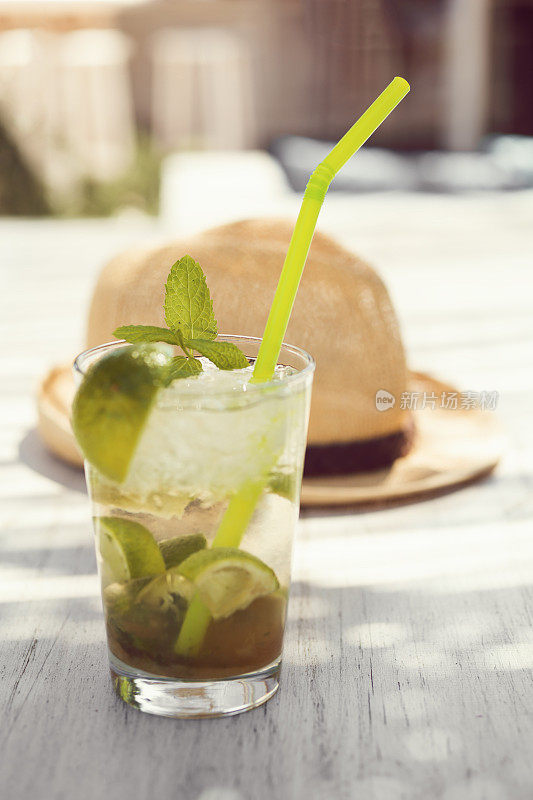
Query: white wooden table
{"points": [[408, 667]]}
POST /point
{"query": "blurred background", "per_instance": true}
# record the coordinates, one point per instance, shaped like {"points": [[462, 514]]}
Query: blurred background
{"points": [[155, 105]]}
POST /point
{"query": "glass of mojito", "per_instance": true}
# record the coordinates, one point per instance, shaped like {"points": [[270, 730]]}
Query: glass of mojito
{"points": [[194, 475]]}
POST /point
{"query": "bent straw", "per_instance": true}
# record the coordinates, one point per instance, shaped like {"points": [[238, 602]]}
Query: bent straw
{"points": [[242, 505], [314, 195]]}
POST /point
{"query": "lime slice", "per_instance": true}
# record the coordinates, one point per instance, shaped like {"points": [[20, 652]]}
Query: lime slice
{"points": [[143, 614], [112, 405], [120, 597], [166, 590], [228, 579], [128, 549], [176, 550]]}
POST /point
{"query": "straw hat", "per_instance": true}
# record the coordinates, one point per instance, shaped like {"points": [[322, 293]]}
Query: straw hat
{"points": [[342, 315]]}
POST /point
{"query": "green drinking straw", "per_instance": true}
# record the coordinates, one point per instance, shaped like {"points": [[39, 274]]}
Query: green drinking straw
{"points": [[242, 505], [314, 195]]}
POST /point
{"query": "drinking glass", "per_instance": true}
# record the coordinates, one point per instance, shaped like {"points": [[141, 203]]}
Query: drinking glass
{"points": [[206, 443]]}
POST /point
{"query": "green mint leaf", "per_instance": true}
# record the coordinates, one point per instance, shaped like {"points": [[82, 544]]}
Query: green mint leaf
{"points": [[181, 340], [224, 355], [188, 305], [145, 333], [182, 367]]}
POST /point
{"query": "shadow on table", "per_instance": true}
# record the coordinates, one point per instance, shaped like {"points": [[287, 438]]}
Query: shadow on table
{"points": [[398, 502], [52, 560], [520, 503], [34, 455], [381, 698]]}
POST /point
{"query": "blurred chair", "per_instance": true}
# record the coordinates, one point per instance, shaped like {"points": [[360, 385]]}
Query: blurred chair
{"points": [[95, 114], [201, 90], [26, 82], [66, 101], [23, 123], [29, 105]]}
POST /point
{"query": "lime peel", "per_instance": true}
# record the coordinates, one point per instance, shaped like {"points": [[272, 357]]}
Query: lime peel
{"points": [[113, 403], [128, 549], [228, 579], [176, 550]]}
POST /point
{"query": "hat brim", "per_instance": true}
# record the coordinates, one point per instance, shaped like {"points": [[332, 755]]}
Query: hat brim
{"points": [[452, 447]]}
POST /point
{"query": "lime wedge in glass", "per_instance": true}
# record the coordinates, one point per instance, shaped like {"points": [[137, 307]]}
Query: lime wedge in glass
{"points": [[227, 579], [144, 614], [128, 549], [166, 590], [120, 597], [112, 405], [176, 550]]}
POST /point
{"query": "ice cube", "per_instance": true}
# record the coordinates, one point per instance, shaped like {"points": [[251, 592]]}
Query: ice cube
{"points": [[209, 434]]}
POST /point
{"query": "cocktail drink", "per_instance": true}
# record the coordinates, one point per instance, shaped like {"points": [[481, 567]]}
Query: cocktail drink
{"points": [[205, 438], [194, 449]]}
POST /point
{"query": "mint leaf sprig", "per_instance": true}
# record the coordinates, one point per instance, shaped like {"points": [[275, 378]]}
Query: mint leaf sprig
{"points": [[191, 324]]}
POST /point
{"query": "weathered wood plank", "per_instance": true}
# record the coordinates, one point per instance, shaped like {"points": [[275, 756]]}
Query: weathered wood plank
{"points": [[409, 654]]}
